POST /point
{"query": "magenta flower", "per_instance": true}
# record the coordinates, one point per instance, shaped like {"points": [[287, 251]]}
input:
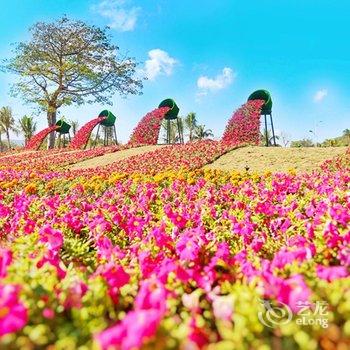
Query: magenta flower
{"points": [[132, 332], [115, 276], [53, 238], [5, 261], [152, 295], [331, 273], [244, 126], [147, 130], [13, 314]]}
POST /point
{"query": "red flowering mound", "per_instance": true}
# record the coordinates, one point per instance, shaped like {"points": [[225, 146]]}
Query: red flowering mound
{"points": [[147, 130], [244, 126], [36, 141], [82, 136]]}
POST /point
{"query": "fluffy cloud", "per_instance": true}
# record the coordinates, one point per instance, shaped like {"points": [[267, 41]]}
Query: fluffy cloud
{"points": [[221, 81], [159, 63], [121, 17], [320, 95]]}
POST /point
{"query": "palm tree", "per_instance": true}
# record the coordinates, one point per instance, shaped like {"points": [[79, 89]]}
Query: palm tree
{"points": [[201, 132], [346, 134], [27, 126], [75, 125], [1, 132], [175, 125], [269, 137], [191, 124], [7, 121]]}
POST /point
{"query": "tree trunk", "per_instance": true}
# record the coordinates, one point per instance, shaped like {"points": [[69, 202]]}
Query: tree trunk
{"points": [[51, 120], [0, 143], [8, 139]]}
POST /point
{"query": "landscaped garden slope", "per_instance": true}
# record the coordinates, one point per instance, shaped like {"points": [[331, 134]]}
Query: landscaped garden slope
{"points": [[275, 159], [148, 257], [109, 158]]}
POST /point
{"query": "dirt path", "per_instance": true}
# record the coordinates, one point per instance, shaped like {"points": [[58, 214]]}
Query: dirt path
{"points": [[275, 159], [110, 158]]}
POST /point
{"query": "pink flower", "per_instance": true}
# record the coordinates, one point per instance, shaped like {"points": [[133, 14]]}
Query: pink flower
{"points": [[197, 335], [75, 295], [187, 248], [5, 261], [331, 273], [244, 126], [82, 136], [53, 238], [13, 314], [152, 295], [132, 332], [291, 291], [147, 130], [223, 307], [48, 313], [35, 142], [115, 277]]}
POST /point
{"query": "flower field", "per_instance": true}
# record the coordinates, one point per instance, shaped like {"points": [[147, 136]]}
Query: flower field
{"points": [[153, 252]]}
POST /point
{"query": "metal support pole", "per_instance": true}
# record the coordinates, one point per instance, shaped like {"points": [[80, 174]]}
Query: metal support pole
{"points": [[115, 135], [179, 131], [266, 133], [168, 132], [273, 131]]}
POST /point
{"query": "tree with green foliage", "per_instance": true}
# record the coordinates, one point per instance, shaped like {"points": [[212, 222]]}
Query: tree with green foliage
{"points": [[191, 124], [174, 132], [70, 62], [346, 135], [1, 132], [200, 132], [27, 126], [75, 126], [7, 122], [302, 143]]}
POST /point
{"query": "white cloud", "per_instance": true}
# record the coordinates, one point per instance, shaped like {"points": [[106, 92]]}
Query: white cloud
{"points": [[159, 63], [221, 81], [320, 95], [121, 17]]}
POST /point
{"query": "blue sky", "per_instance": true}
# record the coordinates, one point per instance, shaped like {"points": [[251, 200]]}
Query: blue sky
{"points": [[210, 55]]}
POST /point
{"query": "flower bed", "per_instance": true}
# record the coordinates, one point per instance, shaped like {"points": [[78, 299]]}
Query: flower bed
{"points": [[35, 142], [147, 130], [244, 126], [81, 138], [178, 259]]}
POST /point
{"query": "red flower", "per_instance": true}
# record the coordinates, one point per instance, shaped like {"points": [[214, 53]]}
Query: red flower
{"points": [[35, 142], [147, 130], [82, 136], [244, 126]]}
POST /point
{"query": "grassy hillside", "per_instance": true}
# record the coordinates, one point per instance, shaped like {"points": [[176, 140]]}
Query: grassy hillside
{"points": [[275, 159]]}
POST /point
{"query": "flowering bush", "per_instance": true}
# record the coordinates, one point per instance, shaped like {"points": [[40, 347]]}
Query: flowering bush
{"points": [[147, 130], [81, 138], [244, 126], [36, 141]]}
